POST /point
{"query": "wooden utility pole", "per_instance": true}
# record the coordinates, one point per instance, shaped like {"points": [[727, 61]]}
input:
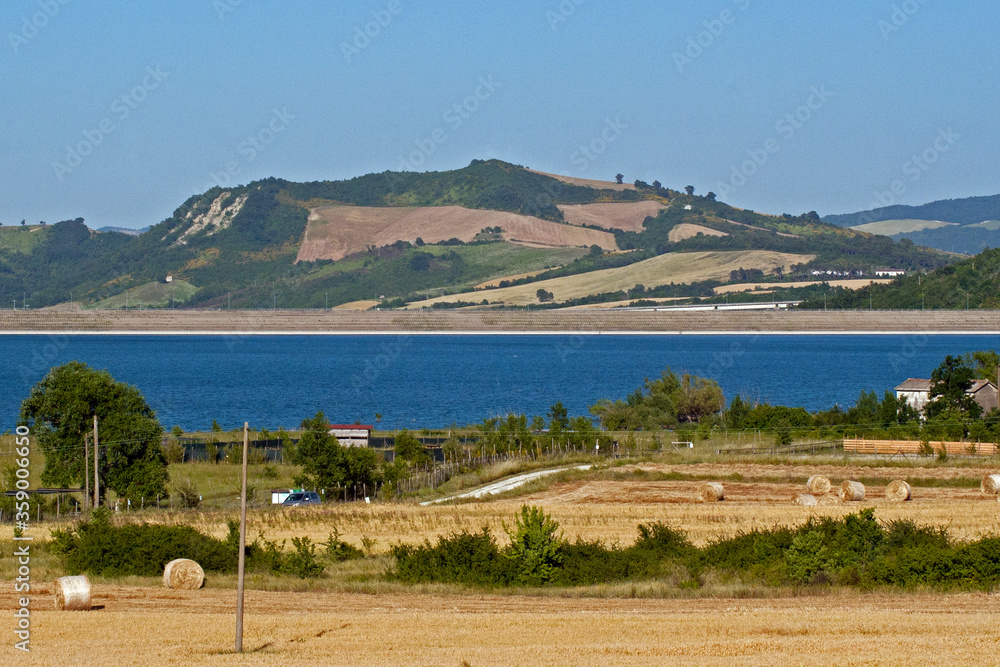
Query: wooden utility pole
{"points": [[243, 540], [86, 471], [97, 474]]}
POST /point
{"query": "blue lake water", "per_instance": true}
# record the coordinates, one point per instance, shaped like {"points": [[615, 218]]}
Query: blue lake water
{"points": [[435, 381]]}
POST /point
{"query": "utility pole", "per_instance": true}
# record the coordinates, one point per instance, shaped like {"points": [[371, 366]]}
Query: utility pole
{"points": [[243, 541], [97, 477], [86, 471]]}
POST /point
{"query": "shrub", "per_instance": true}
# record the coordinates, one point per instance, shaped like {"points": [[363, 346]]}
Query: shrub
{"points": [[338, 550], [535, 548], [302, 561], [467, 558], [173, 452], [188, 494]]}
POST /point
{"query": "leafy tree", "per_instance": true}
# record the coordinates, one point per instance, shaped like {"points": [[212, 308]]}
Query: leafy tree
{"points": [[558, 417], [326, 464], [408, 448], [620, 178], [216, 427], [950, 383], [710, 196], [985, 363], [544, 295], [657, 185], [535, 548], [689, 189], [61, 408]]}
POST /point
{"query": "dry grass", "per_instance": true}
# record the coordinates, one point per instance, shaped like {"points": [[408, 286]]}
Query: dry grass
{"points": [[853, 283], [627, 217], [679, 268], [156, 627], [686, 230], [337, 231], [588, 182], [891, 227]]}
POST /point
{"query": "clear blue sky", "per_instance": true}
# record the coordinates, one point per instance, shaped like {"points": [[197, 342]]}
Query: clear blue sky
{"points": [[228, 70]]}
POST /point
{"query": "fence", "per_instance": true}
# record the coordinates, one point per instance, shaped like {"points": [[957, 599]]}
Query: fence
{"points": [[904, 447], [800, 448]]}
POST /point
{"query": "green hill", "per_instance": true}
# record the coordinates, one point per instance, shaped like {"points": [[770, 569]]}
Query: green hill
{"points": [[241, 245], [150, 295]]}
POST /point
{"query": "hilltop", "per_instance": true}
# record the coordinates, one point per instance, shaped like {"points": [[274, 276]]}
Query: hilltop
{"points": [[965, 226], [406, 238]]}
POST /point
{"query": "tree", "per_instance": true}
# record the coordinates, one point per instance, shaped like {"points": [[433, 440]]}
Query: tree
{"points": [[950, 384], [620, 178], [61, 408], [710, 196], [326, 464], [409, 449], [558, 417], [985, 363], [544, 295], [657, 185], [689, 189]]}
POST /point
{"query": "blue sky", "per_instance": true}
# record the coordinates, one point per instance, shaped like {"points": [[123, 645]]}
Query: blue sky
{"points": [[779, 107]]}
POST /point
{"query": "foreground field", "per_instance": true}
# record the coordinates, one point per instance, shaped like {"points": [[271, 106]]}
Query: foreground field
{"points": [[154, 626]]}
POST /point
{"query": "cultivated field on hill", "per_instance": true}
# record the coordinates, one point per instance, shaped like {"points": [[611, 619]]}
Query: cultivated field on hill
{"points": [[660, 270], [588, 182], [627, 217], [890, 227], [852, 283], [337, 231], [686, 230]]}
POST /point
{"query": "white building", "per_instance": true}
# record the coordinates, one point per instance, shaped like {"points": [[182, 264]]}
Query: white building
{"points": [[889, 273], [351, 435], [917, 392]]}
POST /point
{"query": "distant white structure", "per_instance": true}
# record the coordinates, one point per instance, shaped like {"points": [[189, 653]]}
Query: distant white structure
{"points": [[169, 279], [688, 207], [351, 435], [890, 273]]}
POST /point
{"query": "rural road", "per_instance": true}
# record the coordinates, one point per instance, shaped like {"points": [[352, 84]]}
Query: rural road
{"points": [[506, 484]]}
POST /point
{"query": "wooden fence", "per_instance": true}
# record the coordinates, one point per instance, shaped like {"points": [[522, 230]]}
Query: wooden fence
{"points": [[892, 447]]}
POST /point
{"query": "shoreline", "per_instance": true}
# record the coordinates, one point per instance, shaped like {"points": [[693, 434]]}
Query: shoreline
{"points": [[475, 323]]}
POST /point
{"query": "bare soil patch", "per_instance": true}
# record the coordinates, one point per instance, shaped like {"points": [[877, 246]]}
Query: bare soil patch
{"points": [[625, 216], [337, 231]]}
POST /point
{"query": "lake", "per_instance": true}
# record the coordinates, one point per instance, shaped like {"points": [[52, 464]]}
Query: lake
{"points": [[438, 380]]}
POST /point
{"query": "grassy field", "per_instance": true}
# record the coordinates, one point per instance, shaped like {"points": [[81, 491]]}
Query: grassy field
{"points": [[890, 227], [672, 267], [22, 239], [150, 295]]}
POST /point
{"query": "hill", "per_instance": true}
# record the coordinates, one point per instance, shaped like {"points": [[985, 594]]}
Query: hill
{"points": [[396, 238], [962, 226]]}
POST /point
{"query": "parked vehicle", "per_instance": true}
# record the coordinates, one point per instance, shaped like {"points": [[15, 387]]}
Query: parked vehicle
{"points": [[302, 498]]}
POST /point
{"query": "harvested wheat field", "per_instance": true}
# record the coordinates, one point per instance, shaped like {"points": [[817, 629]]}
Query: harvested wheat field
{"points": [[626, 216], [337, 231], [677, 268], [686, 230], [588, 182], [851, 283], [149, 626]]}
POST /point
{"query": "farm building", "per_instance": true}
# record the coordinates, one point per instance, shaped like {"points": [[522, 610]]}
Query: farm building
{"points": [[351, 435], [890, 273], [917, 392]]}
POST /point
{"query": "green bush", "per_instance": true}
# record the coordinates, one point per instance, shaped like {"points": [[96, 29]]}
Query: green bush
{"points": [[302, 561], [337, 550], [535, 549]]}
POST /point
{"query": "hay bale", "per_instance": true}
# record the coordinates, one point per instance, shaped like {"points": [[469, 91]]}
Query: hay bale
{"points": [[712, 492], [990, 485], [898, 491], [819, 485], [852, 491], [183, 573], [831, 499], [804, 499], [72, 593]]}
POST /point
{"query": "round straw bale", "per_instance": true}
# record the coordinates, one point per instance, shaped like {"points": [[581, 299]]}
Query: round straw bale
{"points": [[72, 593], [852, 491], [831, 499], [819, 485], [804, 499], [183, 573], [898, 491], [712, 492], [990, 485]]}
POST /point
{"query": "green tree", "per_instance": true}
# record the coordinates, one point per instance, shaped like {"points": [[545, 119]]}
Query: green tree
{"points": [[408, 448], [543, 295], [535, 548], [950, 384], [558, 417], [326, 464], [61, 408]]}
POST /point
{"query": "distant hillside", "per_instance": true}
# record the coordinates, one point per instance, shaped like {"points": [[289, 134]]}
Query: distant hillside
{"points": [[399, 238], [965, 211], [124, 230], [970, 283], [952, 225]]}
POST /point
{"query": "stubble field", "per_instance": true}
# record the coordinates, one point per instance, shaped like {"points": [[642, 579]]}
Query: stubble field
{"points": [[646, 623]]}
